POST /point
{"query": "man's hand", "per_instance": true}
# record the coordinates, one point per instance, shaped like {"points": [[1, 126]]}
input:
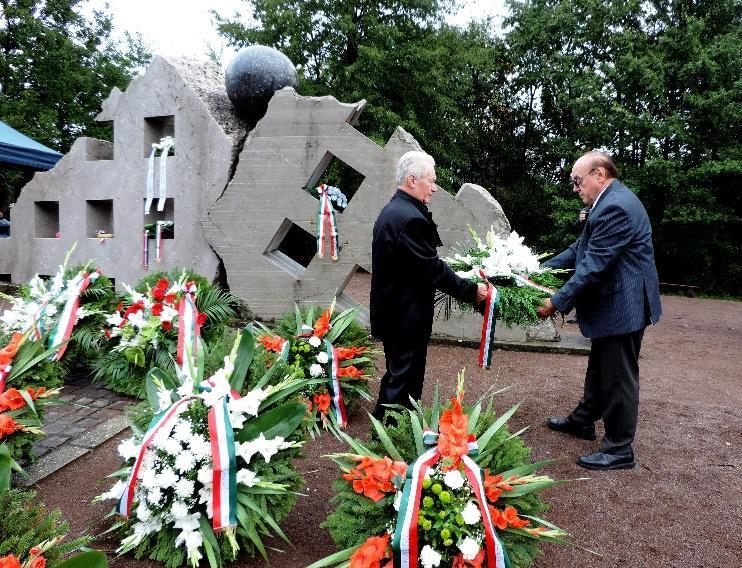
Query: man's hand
{"points": [[481, 293], [546, 310]]}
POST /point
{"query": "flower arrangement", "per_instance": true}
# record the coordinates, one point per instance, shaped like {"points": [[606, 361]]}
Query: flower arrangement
{"points": [[213, 470], [520, 279], [32, 537], [143, 329], [331, 349], [439, 487], [67, 309]]}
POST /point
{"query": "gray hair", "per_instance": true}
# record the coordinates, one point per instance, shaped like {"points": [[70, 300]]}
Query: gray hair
{"points": [[413, 163]]}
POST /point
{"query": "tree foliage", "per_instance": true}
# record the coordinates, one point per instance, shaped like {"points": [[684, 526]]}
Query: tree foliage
{"points": [[657, 83], [56, 67]]}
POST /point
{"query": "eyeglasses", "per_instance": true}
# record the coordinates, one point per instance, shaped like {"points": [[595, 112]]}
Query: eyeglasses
{"points": [[577, 181]]}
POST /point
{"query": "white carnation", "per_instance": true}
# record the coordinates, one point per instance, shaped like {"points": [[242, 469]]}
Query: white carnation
{"points": [[454, 479], [469, 548], [316, 370], [322, 358], [429, 557], [315, 341], [471, 513]]}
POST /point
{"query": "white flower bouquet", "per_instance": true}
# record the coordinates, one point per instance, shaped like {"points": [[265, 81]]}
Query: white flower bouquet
{"points": [[212, 473]]}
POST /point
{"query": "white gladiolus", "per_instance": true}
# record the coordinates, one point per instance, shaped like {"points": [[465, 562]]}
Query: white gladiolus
{"points": [[471, 513], [128, 449], [247, 477], [114, 493], [429, 557], [248, 404]]}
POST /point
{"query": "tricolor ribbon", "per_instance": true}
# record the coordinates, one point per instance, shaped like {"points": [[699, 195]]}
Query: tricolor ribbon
{"points": [[523, 281], [336, 394], [326, 225], [38, 323], [405, 543], [145, 249], [188, 328], [67, 320], [488, 324], [150, 180], [158, 241], [223, 456]]}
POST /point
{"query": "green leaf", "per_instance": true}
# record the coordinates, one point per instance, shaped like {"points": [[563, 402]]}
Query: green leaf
{"points": [[298, 319], [209, 536], [520, 490], [6, 462], [436, 409], [158, 375], [89, 559], [135, 355], [527, 469], [335, 558], [474, 418], [263, 514], [496, 425], [28, 400], [417, 430], [281, 421], [243, 359], [389, 446]]}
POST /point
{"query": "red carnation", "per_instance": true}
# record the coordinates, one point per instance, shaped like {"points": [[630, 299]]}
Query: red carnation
{"points": [[162, 284], [201, 319], [170, 299], [157, 309], [158, 295], [167, 325]]}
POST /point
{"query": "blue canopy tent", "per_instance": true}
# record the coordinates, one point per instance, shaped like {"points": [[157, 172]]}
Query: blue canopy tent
{"points": [[17, 148]]}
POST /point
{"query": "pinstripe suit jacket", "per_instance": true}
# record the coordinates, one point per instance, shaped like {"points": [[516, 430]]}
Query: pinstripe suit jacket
{"points": [[614, 288]]}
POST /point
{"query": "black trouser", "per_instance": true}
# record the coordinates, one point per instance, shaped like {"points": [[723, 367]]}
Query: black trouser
{"points": [[612, 390], [405, 371]]}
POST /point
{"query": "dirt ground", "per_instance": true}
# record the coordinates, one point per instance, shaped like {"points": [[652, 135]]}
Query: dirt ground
{"points": [[679, 507]]}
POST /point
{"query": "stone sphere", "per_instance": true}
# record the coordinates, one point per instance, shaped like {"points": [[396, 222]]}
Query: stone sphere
{"points": [[255, 73]]}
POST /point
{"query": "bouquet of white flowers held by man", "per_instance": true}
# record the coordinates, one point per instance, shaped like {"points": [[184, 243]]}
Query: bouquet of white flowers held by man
{"points": [[441, 487], [213, 472]]}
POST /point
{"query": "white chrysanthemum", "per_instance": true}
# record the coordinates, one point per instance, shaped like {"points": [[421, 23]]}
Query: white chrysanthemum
{"points": [[115, 492], [247, 477], [182, 431], [200, 446], [179, 510], [315, 341], [429, 557], [322, 358], [167, 478], [150, 479], [205, 476], [185, 461], [454, 479], [172, 446], [184, 488], [316, 370], [143, 512], [204, 495], [154, 496], [471, 513], [51, 310], [469, 548], [128, 448]]}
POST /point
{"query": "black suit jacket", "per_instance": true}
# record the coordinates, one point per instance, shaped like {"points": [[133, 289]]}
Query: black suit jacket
{"points": [[406, 271]]}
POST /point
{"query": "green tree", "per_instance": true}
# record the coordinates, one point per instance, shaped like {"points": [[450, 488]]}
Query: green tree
{"points": [[56, 67]]}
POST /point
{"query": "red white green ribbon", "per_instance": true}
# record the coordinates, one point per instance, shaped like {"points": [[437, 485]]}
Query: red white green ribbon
{"points": [[38, 323], [67, 320], [145, 249], [326, 225], [488, 324], [158, 241], [188, 328], [405, 543], [336, 393], [224, 477], [150, 180]]}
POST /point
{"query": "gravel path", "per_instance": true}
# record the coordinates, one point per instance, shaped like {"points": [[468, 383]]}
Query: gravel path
{"points": [[679, 507]]}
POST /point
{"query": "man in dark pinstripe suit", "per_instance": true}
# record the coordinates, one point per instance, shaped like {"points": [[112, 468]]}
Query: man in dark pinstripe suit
{"points": [[615, 292]]}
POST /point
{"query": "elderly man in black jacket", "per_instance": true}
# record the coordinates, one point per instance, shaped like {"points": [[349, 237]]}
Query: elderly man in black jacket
{"points": [[405, 273]]}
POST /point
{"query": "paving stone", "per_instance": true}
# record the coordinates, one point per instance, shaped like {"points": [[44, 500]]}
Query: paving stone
{"points": [[104, 431], [84, 401], [54, 427], [50, 463], [68, 419], [75, 430], [101, 403], [82, 411], [89, 422], [52, 441]]}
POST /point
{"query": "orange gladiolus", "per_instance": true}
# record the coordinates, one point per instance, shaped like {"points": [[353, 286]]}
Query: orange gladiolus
{"points": [[322, 401], [373, 477], [350, 371], [476, 562], [370, 553], [453, 438], [36, 393], [38, 562], [494, 485], [9, 561], [323, 324], [507, 518], [345, 353], [4, 360], [11, 399], [272, 342], [8, 426]]}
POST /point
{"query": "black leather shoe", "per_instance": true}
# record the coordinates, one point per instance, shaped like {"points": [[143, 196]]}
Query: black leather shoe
{"points": [[584, 431], [601, 461]]}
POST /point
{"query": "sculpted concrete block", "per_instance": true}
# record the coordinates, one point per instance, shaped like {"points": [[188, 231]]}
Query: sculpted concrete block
{"points": [[102, 186]]}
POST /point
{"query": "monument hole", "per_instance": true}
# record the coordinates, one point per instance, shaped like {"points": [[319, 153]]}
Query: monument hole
{"points": [[292, 248], [155, 129], [167, 217], [102, 149], [46, 219], [334, 172], [99, 218]]}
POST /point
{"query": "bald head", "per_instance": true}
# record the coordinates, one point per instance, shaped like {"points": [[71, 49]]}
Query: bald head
{"points": [[591, 174]]}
